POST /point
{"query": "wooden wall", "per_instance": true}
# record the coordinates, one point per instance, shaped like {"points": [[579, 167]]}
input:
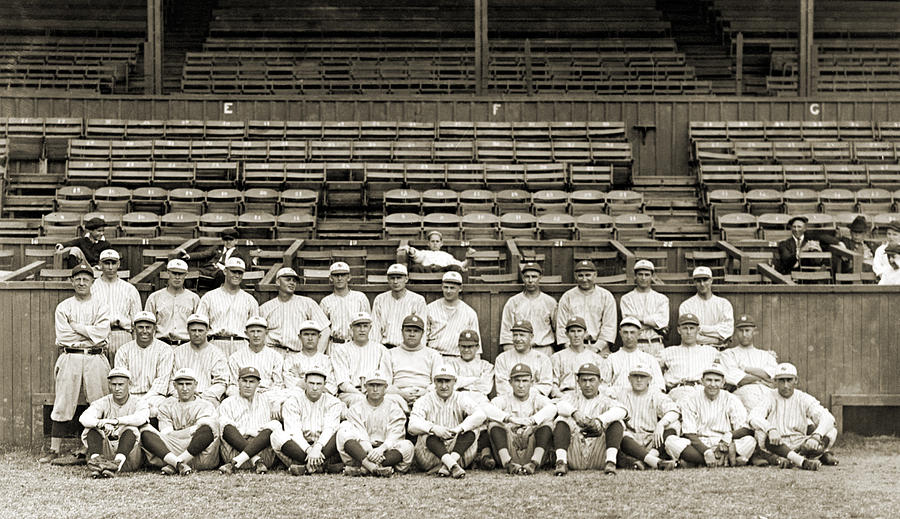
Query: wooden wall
{"points": [[843, 339]]}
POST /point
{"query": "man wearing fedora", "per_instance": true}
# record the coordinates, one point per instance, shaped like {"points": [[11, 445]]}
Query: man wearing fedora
{"points": [[801, 240]]}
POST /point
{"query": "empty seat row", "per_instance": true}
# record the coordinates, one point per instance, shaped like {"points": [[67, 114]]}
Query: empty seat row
{"points": [[868, 201], [796, 152], [817, 176], [794, 130]]}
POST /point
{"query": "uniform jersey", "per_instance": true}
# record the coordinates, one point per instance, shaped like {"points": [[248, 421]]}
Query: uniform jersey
{"points": [[535, 406], [388, 313], [475, 376], [412, 368], [352, 363], [268, 361], [686, 363], [736, 359], [649, 305], [247, 416], [150, 367], [122, 299], [175, 415], [340, 310], [598, 309], [618, 366], [791, 416], [540, 311], [566, 362], [284, 319], [713, 420], [312, 420], [228, 312], [590, 407], [444, 323], [431, 410], [715, 314], [172, 312], [645, 410], [296, 365], [541, 369], [210, 365], [93, 314], [384, 423], [134, 412]]}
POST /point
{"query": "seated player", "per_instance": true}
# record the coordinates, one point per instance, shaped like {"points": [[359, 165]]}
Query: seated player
{"points": [[355, 359], [111, 428], [523, 353], [589, 425], [520, 424], [410, 366], [372, 440], [268, 361], [296, 365], [307, 443], [683, 365], [247, 425], [708, 420], [475, 376], [567, 361], [188, 433], [747, 367], [652, 417], [445, 422], [782, 420], [618, 365], [149, 361]]}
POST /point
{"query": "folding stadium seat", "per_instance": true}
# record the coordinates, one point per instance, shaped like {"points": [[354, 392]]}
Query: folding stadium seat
{"points": [[875, 152], [545, 176], [764, 176], [131, 173], [74, 199], [185, 129], [751, 152], [186, 200], [209, 174], [330, 151], [512, 201], [530, 131], [453, 151], [340, 130], [750, 130], [872, 201], [131, 150], [737, 226], [837, 201], [256, 225], [299, 201], [555, 226], [633, 226], [825, 152], [886, 176], [493, 130], [225, 130], [105, 129], [797, 201], [412, 151], [439, 201], [714, 152], [564, 130], [720, 176], [112, 199], [264, 130], [572, 151], [550, 201], [264, 174], [476, 201], [60, 224], [378, 130], [212, 224], [402, 201], [596, 226], [820, 221], [762, 201], [459, 177], [295, 225], [447, 224], [810, 176], [477, 225], [169, 149], [849, 176], [725, 201], [372, 151], [586, 201], [889, 131], [789, 152], [303, 130], [140, 224], [289, 151], [533, 152], [87, 173], [517, 225], [304, 175], [774, 226], [456, 130], [81, 149], [597, 177], [414, 130], [508, 175], [261, 200], [495, 151], [224, 201], [624, 202], [179, 224], [783, 130], [402, 225], [149, 199], [248, 151], [209, 150], [145, 129]]}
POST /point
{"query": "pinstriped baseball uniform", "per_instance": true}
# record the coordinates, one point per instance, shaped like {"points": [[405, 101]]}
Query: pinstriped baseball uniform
{"points": [[297, 364], [210, 365], [588, 452], [384, 424], [716, 316], [791, 416], [123, 301], [444, 323], [646, 305], [412, 368], [686, 363], [284, 319], [175, 421], [150, 367], [310, 420], [734, 360], [131, 415], [247, 416], [566, 362], [535, 406], [712, 420], [388, 313], [597, 308], [618, 365], [228, 312], [540, 366], [175, 415], [341, 309], [475, 377], [268, 361], [644, 412], [172, 311], [430, 410], [540, 311], [352, 362]]}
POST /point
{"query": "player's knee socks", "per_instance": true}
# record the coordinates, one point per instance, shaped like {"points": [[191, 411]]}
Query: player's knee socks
{"points": [[330, 448], [463, 442], [392, 457], [258, 443], [667, 433], [633, 448], [233, 437], [57, 431], [436, 446], [498, 436], [353, 449], [94, 442], [781, 450], [691, 455], [484, 441], [740, 433], [126, 442], [154, 444], [202, 438], [614, 434], [562, 436], [293, 451]]}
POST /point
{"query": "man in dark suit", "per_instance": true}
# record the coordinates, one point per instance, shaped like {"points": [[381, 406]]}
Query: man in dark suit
{"points": [[803, 241], [859, 229], [87, 248], [214, 258]]}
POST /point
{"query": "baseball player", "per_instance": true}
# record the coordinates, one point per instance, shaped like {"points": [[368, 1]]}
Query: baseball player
{"points": [[172, 305], [207, 361], [355, 359], [215, 258], [684, 364], [474, 374], [389, 308], [287, 310], [567, 361], [268, 361], [445, 422], [782, 419], [434, 259], [652, 417], [588, 431], [448, 316], [708, 420], [296, 366], [411, 365], [649, 307], [311, 419], [247, 426], [884, 264], [342, 303], [372, 440], [188, 435], [715, 313], [227, 308], [111, 428], [521, 421], [86, 249], [149, 360], [618, 365], [594, 304], [120, 297], [531, 305], [522, 353], [82, 329], [748, 368]]}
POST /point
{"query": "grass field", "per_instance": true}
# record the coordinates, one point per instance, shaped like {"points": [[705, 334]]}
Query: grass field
{"points": [[865, 484]]}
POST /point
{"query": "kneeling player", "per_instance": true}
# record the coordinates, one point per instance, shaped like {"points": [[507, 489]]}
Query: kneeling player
{"points": [[247, 426], [651, 418], [589, 425], [372, 440], [782, 420], [111, 428], [188, 434], [521, 419], [444, 420]]}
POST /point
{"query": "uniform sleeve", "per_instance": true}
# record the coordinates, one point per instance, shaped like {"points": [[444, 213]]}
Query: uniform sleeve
{"points": [[615, 411], [737, 413], [473, 325], [724, 327], [150, 306], [566, 407], [608, 326], [733, 371], [277, 369], [493, 410], [665, 405], [475, 415], [164, 417], [330, 381], [544, 376], [418, 424], [231, 386], [289, 374], [354, 417], [376, 332], [396, 429], [689, 421], [501, 376], [92, 415], [227, 413], [506, 322], [139, 417], [546, 411], [657, 380], [219, 377], [759, 415], [818, 415], [98, 330], [485, 382], [563, 313], [134, 306], [293, 422], [203, 308], [659, 314], [165, 363], [332, 419]]}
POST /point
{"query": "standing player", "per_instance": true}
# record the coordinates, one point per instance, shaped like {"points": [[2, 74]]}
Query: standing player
{"points": [[111, 428], [618, 365], [410, 366], [372, 440], [652, 417], [87, 248], [247, 427], [188, 434], [342, 304], [207, 361], [588, 431], [445, 421], [227, 308], [149, 360], [120, 297], [748, 368], [649, 307], [566, 362], [714, 313], [287, 310], [684, 364], [522, 353], [533, 306], [449, 316], [594, 304], [268, 361], [172, 305], [309, 358], [82, 328], [783, 418], [521, 420], [355, 359], [389, 308]]}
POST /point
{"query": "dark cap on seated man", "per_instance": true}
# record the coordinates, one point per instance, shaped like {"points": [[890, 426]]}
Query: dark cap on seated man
{"points": [[95, 223]]}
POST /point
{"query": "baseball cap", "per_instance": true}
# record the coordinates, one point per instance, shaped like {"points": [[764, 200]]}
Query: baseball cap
{"points": [[143, 315], [629, 321], [339, 267], [522, 326], [235, 263], [893, 225], [644, 265], [716, 368], [640, 369], [429, 234], [229, 233], [177, 265], [249, 371], [414, 321], [81, 267], [397, 269], [185, 374], [360, 317], [377, 376], [744, 321], [95, 223], [444, 371], [585, 265], [688, 319], [468, 337], [702, 272], [286, 271], [785, 370], [316, 370], [118, 372], [256, 321], [588, 368], [197, 318], [575, 321], [309, 325], [109, 255], [519, 370], [525, 267], [451, 276]]}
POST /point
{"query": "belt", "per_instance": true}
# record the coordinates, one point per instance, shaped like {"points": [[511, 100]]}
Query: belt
{"points": [[226, 337], [651, 341], [117, 329], [170, 342], [551, 345], [279, 346], [389, 346], [84, 351], [689, 383], [337, 340]]}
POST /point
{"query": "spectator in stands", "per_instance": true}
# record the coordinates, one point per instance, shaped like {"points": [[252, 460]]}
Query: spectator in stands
{"points": [[715, 313], [434, 259], [647, 306], [891, 274], [286, 311], [87, 248], [215, 257], [172, 305], [859, 229], [884, 264], [342, 303], [120, 296], [594, 304], [533, 306], [389, 308], [791, 249]]}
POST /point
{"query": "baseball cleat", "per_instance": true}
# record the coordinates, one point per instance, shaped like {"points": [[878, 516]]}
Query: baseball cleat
{"points": [[300, 470], [260, 467], [513, 468], [93, 463], [67, 460], [49, 457], [108, 464], [443, 472], [349, 470], [758, 461], [487, 462], [457, 472], [108, 474], [638, 465], [384, 472], [561, 468], [528, 469], [828, 458], [334, 468], [184, 469], [784, 463], [168, 470], [227, 469], [810, 465], [95, 474], [610, 468], [667, 465]]}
